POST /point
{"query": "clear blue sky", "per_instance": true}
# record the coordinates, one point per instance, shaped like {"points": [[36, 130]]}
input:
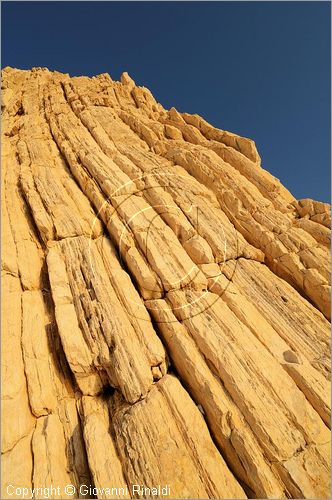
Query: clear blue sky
{"points": [[259, 69]]}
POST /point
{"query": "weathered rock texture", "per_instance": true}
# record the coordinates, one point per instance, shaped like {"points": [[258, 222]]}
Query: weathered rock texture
{"points": [[165, 301]]}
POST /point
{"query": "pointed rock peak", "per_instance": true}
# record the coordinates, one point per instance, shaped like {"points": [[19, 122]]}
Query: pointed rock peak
{"points": [[127, 80], [105, 76], [175, 115]]}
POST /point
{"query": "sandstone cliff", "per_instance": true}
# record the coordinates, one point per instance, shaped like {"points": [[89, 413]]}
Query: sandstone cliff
{"points": [[165, 302]]}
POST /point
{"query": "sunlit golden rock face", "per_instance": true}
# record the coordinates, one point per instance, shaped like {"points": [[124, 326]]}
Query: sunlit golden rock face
{"points": [[165, 303]]}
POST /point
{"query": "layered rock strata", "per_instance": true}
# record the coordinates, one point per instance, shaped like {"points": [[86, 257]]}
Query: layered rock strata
{"points": [[165, 302]]}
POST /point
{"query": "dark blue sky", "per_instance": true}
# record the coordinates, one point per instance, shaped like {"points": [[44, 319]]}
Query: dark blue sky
{"points": [[259, 69]]}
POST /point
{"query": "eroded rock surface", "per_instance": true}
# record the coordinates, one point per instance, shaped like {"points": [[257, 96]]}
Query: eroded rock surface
{"points": [[165, 302]]}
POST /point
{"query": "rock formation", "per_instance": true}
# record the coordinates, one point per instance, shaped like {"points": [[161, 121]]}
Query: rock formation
{"points": [[165, 303]]}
